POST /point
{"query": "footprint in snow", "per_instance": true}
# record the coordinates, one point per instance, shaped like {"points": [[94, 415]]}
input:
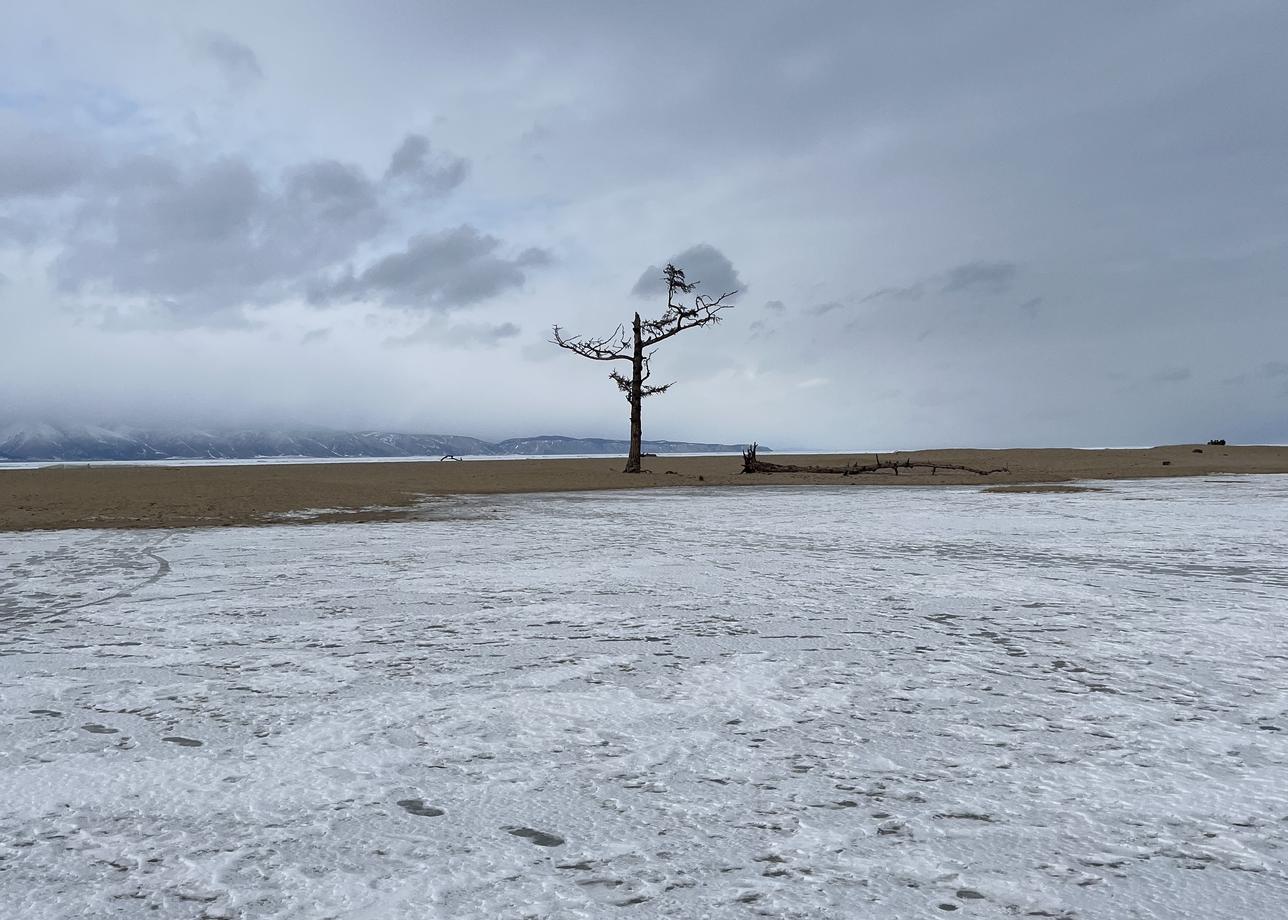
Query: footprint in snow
{"points": [[540, 838], [418, 807]]}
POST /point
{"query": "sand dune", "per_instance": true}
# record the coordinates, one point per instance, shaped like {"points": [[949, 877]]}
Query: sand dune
{"points": [[158, 496]]}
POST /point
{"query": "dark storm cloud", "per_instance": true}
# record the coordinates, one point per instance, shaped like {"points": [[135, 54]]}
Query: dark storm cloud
{"points": [[436, 271], [238, 62], [702, 263]]}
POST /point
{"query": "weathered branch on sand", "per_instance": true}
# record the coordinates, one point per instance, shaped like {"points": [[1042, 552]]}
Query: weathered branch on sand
{"points": [[750, 464]]}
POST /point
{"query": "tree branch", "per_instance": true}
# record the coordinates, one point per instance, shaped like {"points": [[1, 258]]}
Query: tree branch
{"points": [[613, 347], [654, 391], [678, 318]]}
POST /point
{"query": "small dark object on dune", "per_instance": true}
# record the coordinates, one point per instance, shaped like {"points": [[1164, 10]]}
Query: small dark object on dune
{"points": [[1167, 463], [1217, 442], [1198, 450]]}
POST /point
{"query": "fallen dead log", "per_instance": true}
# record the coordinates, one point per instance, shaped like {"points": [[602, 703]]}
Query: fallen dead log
{"points": [[751, 464]]}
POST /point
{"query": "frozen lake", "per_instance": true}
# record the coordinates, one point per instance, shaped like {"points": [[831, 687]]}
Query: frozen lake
{"points": [[820, 703]]}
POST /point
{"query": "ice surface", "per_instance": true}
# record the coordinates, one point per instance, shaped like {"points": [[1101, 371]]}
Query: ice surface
{"points": [[820, 703]]}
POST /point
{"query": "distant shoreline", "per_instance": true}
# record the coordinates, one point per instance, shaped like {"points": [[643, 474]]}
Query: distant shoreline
{"points": [[304, 461], [132, 495]]}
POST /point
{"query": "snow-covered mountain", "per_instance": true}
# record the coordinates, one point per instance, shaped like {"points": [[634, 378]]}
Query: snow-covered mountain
{"points": [[552, 444], [45, 441]]}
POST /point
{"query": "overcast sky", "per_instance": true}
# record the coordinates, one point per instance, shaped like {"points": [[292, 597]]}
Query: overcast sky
{"points": [[1016, 223]]}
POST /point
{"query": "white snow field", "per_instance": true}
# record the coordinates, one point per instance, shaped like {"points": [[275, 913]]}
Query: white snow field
{"points": [[818, 703]]}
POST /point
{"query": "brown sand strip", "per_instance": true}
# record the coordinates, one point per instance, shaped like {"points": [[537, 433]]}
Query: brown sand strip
{"points": [[151, 496]]}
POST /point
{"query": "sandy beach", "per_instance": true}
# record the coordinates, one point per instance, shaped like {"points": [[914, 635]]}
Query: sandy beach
{"points": [[62, 497]]}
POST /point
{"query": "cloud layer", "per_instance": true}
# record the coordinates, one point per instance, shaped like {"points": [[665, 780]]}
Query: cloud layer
{"points": [[981, 223], [189, 241]]}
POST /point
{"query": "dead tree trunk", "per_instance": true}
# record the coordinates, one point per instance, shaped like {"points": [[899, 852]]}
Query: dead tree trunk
{"points": [[636, 397], [634, 347], [752, 464]]}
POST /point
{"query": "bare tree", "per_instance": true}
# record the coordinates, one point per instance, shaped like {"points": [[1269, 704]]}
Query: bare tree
{"points": [[633, 346]]}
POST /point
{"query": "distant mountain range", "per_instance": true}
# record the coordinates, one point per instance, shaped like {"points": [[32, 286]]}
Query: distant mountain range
{"points": [[42, 441]]}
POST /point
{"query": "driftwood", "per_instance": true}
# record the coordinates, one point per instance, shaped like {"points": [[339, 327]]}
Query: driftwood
{"points": [[751, 464]]}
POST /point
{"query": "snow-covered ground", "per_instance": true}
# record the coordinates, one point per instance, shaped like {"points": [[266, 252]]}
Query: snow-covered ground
{"points": [[820, 703]]}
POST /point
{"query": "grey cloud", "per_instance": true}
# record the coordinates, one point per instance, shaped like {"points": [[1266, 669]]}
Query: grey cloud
{"points": [[313, 336], [238, 62], [165, 314], [823, 309], [909, 293], [1031, 307], [186, 240], [40, 165], [333, 193], [989, 277], [1172, 375], [18, 231], [137, 172], [1130, 190], [217, 234], [413, 167], [535, 257], [702, 263], [1275, 369], [168, 234], [540, 351], [459, 335], [776, 306], [453, 268]]}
